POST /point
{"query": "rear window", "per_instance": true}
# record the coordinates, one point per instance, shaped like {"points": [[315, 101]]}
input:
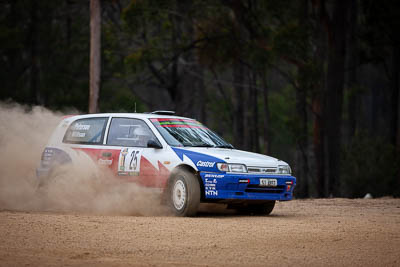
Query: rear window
{"points": [[86, 131]]}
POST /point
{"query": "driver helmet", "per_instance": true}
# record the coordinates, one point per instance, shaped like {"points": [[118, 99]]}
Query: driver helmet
{"points": [[141, 135]]}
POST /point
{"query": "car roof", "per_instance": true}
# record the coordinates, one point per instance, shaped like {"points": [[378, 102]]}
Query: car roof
{"points": [[126, 115]]}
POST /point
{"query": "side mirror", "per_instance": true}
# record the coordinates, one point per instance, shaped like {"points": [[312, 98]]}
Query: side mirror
{"points": [[153, 144]]}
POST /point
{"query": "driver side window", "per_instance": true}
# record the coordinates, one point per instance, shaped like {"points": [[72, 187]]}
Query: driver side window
{"points": [[129, 133]]}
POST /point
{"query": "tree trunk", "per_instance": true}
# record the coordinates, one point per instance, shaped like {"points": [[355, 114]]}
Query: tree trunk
{"points": [[318, 99], [319, 144], [201, 99], [68, 23], [95, 54], [253, 130], [352, 66], [34, 70], [237, 99], [394, 127], [267, 146], [248, 125], [396, 107], [301, 110], [335, 82], [13, 54], [302, 140]]}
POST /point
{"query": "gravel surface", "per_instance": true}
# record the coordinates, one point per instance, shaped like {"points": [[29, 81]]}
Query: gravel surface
{"points": [[317, 232]]}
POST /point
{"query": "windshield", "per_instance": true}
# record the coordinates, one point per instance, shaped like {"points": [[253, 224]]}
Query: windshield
{"points": [[188, 132]]}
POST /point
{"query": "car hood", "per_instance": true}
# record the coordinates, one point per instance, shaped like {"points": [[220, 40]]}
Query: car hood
{"points": [[237, 156]]}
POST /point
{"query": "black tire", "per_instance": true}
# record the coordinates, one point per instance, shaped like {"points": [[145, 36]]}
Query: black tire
{"points": [[257, 209], [184, 193], [44, 181]]}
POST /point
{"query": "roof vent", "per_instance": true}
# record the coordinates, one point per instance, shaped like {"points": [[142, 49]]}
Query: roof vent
{"points": [[163, 112]]}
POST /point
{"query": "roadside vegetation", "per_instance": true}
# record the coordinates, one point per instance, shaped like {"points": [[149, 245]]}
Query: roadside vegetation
{"points": [[315, 83]]}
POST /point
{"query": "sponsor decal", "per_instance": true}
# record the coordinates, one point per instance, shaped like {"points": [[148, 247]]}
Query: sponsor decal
{"points": [[121, 165], [210, 187], [212, 175], [81, 127], [105, 161], [211, 192], [211, 181], [177, 123], [201, 160], [129, 161], [128, 174], [207, 164], [78, 134]]}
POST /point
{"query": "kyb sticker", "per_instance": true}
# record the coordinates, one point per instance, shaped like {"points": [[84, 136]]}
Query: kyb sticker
{"points": [[129, 161]]}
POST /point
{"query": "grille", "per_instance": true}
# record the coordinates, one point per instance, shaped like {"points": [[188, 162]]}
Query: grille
{"points": [[265, 170], [262, 189]]}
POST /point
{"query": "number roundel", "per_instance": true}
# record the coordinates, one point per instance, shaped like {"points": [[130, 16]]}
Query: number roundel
{"points": [[129, 161]]}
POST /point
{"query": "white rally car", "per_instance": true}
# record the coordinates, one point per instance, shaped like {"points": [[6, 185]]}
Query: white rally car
{"points": [[189, 162]]}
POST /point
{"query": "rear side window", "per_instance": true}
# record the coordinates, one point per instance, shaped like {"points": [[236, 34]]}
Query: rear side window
{"points": [[86, 131], [129, 132]]}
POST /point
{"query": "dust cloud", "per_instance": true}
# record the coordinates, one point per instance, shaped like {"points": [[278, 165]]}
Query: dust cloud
{"points": [[82, 188]]}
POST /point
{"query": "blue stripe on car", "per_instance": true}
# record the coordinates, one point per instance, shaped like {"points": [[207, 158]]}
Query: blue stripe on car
{"points": [[202, 161]]}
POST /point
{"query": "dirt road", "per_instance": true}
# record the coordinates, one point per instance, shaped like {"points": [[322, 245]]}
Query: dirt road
{"points": [[329, 232]]}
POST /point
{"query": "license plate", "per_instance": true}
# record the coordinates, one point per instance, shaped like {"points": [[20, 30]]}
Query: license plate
{"points": [[268, 182]]}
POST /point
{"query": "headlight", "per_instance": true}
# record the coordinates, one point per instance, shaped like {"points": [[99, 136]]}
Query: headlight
{"points": [[229, 167], [284, 169]]}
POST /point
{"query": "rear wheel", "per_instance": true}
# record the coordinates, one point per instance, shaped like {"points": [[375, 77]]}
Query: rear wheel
{"points": [[264, 208], [184, 193], [46, 180]]}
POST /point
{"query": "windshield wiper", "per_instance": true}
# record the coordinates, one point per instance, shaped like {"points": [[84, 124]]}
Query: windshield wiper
{"points": [[225, 146], [208, 145], [198, 145], [204, 145]]}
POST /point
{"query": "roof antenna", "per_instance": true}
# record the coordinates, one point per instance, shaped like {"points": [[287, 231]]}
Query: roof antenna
{"points": [[135, 107]]}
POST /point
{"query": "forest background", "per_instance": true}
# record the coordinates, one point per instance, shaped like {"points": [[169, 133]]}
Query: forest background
{"points": [[312, 82]]}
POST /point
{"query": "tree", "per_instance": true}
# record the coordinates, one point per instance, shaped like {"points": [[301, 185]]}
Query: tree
{"points": [[95, 54], [335, 85]]}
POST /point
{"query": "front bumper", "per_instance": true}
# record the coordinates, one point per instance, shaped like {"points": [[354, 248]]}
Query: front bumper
{"points": [[230, 186]]}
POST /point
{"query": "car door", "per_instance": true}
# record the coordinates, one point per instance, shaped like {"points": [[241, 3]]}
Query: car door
{"points": [[132, 160]]}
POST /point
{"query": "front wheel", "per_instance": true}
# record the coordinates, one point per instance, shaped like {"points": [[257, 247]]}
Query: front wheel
{"points": [[184, 193]]}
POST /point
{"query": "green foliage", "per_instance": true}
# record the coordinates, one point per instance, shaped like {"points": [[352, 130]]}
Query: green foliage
{"points": [[282, 104], [290, 40], [121, 100], [61, 59], [216, 104], [370, 165], [140, 14]]}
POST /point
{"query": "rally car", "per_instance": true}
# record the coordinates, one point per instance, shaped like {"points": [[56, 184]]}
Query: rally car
{"points": [[190, 163]]}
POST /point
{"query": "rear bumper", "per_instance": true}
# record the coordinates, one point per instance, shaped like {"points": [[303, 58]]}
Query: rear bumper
{"points": [[227, 186], [42, 172]]}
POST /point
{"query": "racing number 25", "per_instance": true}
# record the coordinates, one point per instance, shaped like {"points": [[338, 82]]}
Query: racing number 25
{"points": [[134, 160]]}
